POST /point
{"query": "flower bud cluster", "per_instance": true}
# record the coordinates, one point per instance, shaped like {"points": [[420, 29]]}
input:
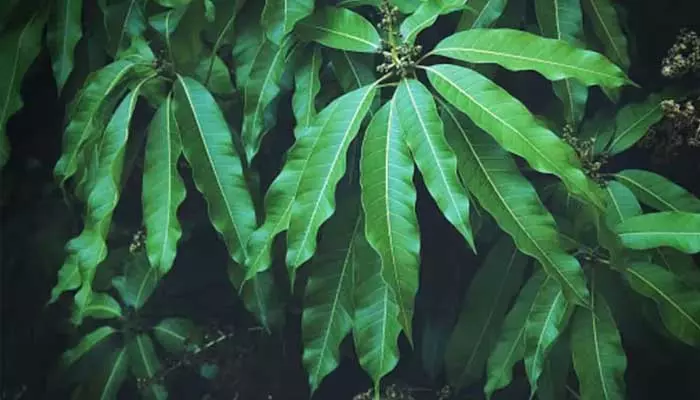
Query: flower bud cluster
{"points": [[679, 127], [591, 162], [683, 56]]}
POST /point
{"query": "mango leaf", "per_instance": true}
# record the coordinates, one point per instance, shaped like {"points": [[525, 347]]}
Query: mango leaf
{"points": [[280, 16], [341, 29], [375, 328], [406, 6], [249, 40], [607, 27], [547, 319], [510, 346], [220, 31], [621, 205], [353, 70], [679, 230], [163, 189], [328, 297], [139, 281], [124, 20], [485, 305], [145, 364], [678, 304], [87, 343], [481, 14], [173, 3], [261, 296], [682, 265], [518, 51], [63, 32], [658, 192], [214, 73], [314, 201], [424, 133], [513, 126], [389, 201], [216, 168], [307, 84], [111, 375], [166, 23], [68, 278], [633, 122], [176, 334], [102, 306], [425, 15], [553, 381], [19, 47], [493, 178], [599, 358]]}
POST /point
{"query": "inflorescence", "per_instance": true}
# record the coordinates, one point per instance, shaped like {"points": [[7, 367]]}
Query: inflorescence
{"points": [[399, 57], [683, 56]]}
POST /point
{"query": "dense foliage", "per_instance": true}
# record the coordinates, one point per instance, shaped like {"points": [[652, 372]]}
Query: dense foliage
{"points": [[390, 103]]}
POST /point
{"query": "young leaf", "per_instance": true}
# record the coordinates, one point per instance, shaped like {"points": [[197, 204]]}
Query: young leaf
{"points": [[425, 15], [63, 32], [679, 230], [481, 14], [145, 364], [176, 334], [86, 344], [424, 133], [678, 304], [518, 51], [341, 29], [389, 201], [216, 168], [493, 178], [513, 126], [280, 16], [633, 122], [138, 282], [314, 201], [307, 84], [485, 304], [658, 192], [605, 22]]}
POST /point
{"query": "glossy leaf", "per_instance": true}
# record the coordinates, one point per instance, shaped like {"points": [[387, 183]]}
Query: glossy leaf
{"points": [[424, 132], [307, 84], [280, 16], [657, 191], [63, 32], [633, 122], [102, 306], [607, 27], [145, 364], [679, 230], [216, 168], [678, 304], [481, 14], [87, 343], [341, 29], [389, 201], [513, 126], [518, 51], [425, 16], [493, 178], [621, 205], [139, 281], [485, 305]]}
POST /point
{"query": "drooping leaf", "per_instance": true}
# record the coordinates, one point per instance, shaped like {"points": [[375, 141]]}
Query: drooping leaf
{"points": [[341, 29], [485, 305], [424, 133], [124, 20], [111, 375], [493, 178], [679, 230], [144, 365], [307, 84], [280, 16], [353, 70], [513, 126], [599, 358], [555, 374], [62, 35], [314, 201], [102, 306], [176, 334], [163, 189], [633, 122], [138, 282], [481, 14], [657, 191], [678, 304], [607, 27], [389, 201], [261, 296], [68, 278], [216, 168], [518, 50], [425, 15], [86, 344]]}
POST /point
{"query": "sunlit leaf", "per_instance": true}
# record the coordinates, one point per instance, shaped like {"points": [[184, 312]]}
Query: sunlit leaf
{"points": [[341, 29], [657, 191], [62, 34], [679, 230], [280, 16], [425, 15]]}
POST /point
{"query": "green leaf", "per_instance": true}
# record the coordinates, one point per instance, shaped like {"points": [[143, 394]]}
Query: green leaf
{"points": [[680, 264], [493, 178], [124, 21], [553, 381], [605, 22], [633, 122], [216, 168], [314, 202], [425, 16], [599, 358], [139, 281], [68, 278], [163, 189], [214, 72], [485, 305], [102, 306], [658, 192], [518, 51], [679, 230], [112, 375], [145, 364], [389, 201], [341, 29], [261, 296], [63, 32], [513, 126], [166, 24], [678, 304], [328, 297], [424, 133], [19, 47], [307, 84], [510, 346], [353, 70], [481, 14], [375, 324], [621, 205], [280, 16], [176, 334], [87, 343]]}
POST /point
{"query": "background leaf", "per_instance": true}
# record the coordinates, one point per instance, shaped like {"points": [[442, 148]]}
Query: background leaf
{"points": [[607, 27], [658, 192], [280, 16], [63, 32], [341, 29], [481, 14], [633, 122], [139, 281]]}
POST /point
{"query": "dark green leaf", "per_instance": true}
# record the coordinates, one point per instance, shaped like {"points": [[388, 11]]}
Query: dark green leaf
{"points": [[280, 16], [481, 14], [679, 230], [607, 27], [176, 334], [633, 122], [341, 29], [658, 192], [145, 364], [307, 84], [138, 282], [86, 344], [353, 70], [62, 35], [425, 15]]}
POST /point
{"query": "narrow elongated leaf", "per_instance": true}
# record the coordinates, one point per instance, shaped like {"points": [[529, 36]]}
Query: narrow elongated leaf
{"points": [[682, 265], [353, 70], [328, 297], [389, 201], [307, 84], [314, 202], [261, 296], [658, 192], [124, 21], [599, 358], [163, 189], [112, 375], [553, 381], [513, 126], [86, 344], [425, 15], [216, 168], [341, 29], [68, 278], [493, 178], [144, 365], [424, 132], [176, 334], [678, 304], [485, 305], [62, 35], [481, 14], [138, 282], [679, 230], [607, 27], [633, 122], [518, 50], [280, 16], [621, 205]]}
